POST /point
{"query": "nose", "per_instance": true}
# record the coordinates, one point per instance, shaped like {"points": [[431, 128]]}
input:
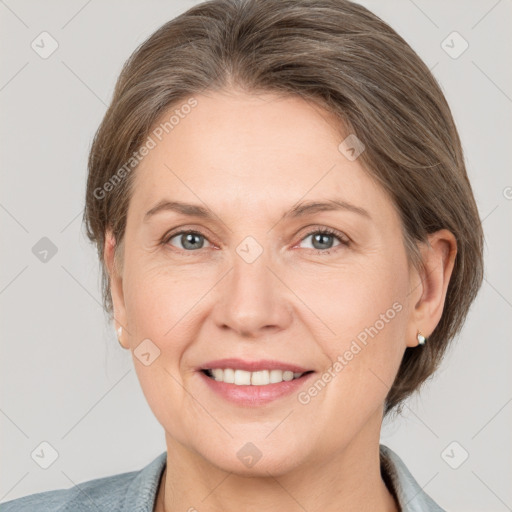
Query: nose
{"points": [[251, 300]]}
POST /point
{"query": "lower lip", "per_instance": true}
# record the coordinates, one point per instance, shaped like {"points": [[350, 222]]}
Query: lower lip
{"points": [[250, 396]]}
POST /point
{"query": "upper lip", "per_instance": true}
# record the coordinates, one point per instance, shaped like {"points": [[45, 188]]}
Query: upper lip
{"points": [[252, 366]]}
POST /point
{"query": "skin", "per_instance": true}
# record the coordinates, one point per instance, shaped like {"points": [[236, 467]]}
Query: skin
{"points": [[249, 159]]}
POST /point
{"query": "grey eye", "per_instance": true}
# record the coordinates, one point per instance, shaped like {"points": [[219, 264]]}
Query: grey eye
{"points": [[322, 241], [190, 241]]}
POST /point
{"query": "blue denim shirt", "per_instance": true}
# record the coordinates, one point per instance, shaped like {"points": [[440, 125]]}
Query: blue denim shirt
{"points": [[136, 491]]}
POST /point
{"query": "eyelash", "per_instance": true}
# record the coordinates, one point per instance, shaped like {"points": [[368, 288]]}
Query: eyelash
{"points": [[344, 241]]}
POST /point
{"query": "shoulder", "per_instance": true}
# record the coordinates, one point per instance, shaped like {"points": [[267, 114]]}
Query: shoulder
{"points": [[410, 495], [97, 494], [115, 493]]}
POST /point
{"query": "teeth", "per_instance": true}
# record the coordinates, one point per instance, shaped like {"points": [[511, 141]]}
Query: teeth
{"points": [[241, 378], [259, 378], [227, 375]]}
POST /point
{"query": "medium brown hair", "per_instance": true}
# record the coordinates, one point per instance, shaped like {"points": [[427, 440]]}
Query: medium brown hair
{"points": [[344, 58]]}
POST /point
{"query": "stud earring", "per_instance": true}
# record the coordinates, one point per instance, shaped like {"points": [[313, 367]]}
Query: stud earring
{"points": [[119, 333], [421, 339]]}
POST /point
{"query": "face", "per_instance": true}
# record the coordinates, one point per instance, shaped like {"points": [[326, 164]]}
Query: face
{"points": [[249, 271]]}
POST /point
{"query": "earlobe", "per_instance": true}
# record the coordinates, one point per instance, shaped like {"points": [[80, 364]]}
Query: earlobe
{"points": [[120, 336], [438, 262]]}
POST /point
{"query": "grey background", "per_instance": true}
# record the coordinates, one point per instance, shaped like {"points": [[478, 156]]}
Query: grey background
{"points": [[64, 378]]}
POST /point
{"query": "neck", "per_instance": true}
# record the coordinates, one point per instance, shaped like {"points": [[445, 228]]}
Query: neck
{"points": [[349, 480]]}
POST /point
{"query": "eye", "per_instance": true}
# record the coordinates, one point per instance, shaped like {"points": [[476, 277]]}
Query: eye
{"points": [[323, 239], [187, 240]]}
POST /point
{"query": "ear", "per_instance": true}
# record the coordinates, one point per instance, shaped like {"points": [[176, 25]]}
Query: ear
{"points": [[429, 286], [116, 285]]}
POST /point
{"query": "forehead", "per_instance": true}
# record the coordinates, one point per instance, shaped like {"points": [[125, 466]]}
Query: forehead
{"points": [[235, 150]]}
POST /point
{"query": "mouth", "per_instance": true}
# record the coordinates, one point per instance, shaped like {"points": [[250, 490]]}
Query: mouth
{"points": [[250, 383], [259, 384]]}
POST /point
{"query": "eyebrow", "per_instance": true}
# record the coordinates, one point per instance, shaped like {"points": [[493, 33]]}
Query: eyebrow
{"points": [[299, 210]]}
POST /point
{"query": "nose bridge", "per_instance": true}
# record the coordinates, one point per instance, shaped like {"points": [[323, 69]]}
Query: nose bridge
{"points": [[250, 275], [251, 297], [251, 285]]}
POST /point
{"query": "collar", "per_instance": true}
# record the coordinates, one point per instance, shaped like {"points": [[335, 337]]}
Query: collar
{"points": [[400, 482], [141, 493]]}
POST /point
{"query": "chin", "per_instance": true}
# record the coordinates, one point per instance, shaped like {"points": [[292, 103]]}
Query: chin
{"points": [[254, 458]]}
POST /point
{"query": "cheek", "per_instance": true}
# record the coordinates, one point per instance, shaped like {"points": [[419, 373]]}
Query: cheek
{"points": [[161, 299], [347, 299], [361, 324], [162, 305]]}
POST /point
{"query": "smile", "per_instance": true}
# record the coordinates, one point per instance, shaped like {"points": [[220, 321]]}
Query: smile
{"points": [[253, 389]]}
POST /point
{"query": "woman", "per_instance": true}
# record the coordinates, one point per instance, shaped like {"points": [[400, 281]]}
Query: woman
{"points": [[289, 241]]}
